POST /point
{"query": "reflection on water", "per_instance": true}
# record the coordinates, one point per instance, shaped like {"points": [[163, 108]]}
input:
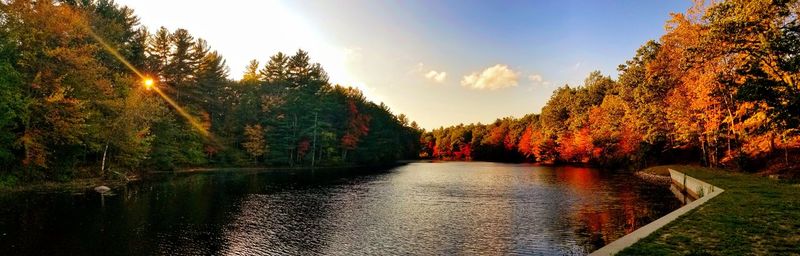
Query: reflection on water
{"points": [[419, 208]]}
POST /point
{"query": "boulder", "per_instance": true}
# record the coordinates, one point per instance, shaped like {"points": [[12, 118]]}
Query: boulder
{"points": [[102, 189]]}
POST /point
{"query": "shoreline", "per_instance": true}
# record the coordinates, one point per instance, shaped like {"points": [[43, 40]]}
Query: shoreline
{"points": [[88, 184], [767, 227], [75, 185], [632, 238]]}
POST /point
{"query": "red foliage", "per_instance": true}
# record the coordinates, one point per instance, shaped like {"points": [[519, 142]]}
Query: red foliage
{"points": [[210, 150], [525, 144], [436, 151], [302, 147], [357, 126], [465, 152], [576, 147], [509, 142], [628, 141]]}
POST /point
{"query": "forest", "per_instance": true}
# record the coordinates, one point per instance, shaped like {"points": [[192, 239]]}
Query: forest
{"points": [[77, 100], [719, 88]]}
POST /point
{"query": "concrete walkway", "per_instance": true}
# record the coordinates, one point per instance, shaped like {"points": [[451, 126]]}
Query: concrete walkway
{"points": [[682, 180]]}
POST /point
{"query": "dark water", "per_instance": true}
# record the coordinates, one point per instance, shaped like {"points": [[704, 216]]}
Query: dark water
{"points": [[420, 208]]}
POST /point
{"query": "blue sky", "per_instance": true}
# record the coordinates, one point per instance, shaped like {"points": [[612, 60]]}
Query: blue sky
{"points": [[439, 62]]}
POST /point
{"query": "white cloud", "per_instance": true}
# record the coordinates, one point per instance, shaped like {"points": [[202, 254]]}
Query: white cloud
{"points": [[536, 78], [537, 81], [436, 76], [495, 77], [369, 91], [418, 68]]}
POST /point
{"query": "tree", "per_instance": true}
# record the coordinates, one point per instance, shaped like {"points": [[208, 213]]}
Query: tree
{"points": [[357, 127], [762, 40], [158, 52], [254, 141], [63, 81], [71, 101], [251, 74], [12, 103]]}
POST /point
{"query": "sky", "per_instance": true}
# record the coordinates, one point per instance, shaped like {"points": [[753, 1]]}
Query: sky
{"points": [[439, 62]]}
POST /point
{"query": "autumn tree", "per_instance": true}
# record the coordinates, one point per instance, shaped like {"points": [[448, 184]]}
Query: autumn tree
{"points": [[762, 40], [254, 143], [357, 127]]}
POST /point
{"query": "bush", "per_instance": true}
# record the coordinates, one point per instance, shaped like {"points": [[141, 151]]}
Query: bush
{"points": [[8, 180]]}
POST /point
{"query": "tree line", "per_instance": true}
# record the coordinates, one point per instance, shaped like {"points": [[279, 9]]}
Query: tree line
{"points": [[72, 102], [720, 87]]}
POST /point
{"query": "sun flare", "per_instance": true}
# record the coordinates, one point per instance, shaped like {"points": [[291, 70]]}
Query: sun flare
{"points": [[148, 83]]}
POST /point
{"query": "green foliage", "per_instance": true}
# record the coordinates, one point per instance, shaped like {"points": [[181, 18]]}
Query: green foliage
{"points": [[69, 106], [12, 103], [176, 144], [8, 180]]}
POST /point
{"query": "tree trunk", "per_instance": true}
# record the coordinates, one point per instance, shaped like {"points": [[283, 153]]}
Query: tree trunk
{"points": [[703, 147], [771, 142], [314, 144], [103, 164], [786, 155], [785, 151]]}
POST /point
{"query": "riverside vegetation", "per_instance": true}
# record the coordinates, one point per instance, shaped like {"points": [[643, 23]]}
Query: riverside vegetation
{"points": [[718, 89], [70, 106]]}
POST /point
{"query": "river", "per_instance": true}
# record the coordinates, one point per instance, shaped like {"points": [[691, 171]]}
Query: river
{"points": [[421, 208]]}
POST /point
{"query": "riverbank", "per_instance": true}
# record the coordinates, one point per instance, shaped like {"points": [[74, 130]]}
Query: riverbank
{"points": [[755, 215], [86, 184], [298, 168], [75, 185]]}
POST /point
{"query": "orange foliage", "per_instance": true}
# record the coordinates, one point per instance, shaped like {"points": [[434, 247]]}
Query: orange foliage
{"points": [[525, 145], [497, 135], [576, 146]]}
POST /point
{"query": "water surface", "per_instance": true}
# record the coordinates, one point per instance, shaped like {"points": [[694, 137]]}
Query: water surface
{"points": [[420, 208]]}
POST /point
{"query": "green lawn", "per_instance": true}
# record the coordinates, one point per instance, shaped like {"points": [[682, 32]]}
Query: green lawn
{"points": [[754, 216]]}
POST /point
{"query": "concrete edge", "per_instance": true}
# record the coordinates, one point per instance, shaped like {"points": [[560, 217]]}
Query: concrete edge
{"points": [[630, 239]]}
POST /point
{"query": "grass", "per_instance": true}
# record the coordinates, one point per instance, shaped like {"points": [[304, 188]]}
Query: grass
{"points": [[754, 216]]}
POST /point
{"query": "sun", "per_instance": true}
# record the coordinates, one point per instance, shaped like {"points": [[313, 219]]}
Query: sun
{"points": [[148, 83]]}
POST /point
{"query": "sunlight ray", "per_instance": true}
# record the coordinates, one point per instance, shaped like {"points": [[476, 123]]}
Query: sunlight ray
{"points": [[149, 84]]}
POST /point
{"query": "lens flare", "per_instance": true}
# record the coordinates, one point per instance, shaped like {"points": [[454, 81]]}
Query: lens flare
{"points": [[149, 84], [182, 112], [114, 52]]}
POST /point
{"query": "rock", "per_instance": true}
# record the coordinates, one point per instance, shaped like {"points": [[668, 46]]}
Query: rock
{"points": [[102, 189], [653, 178]]}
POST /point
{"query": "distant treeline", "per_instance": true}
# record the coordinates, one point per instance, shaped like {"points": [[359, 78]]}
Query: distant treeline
{"points": [[721, 87], [69, 106]]}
